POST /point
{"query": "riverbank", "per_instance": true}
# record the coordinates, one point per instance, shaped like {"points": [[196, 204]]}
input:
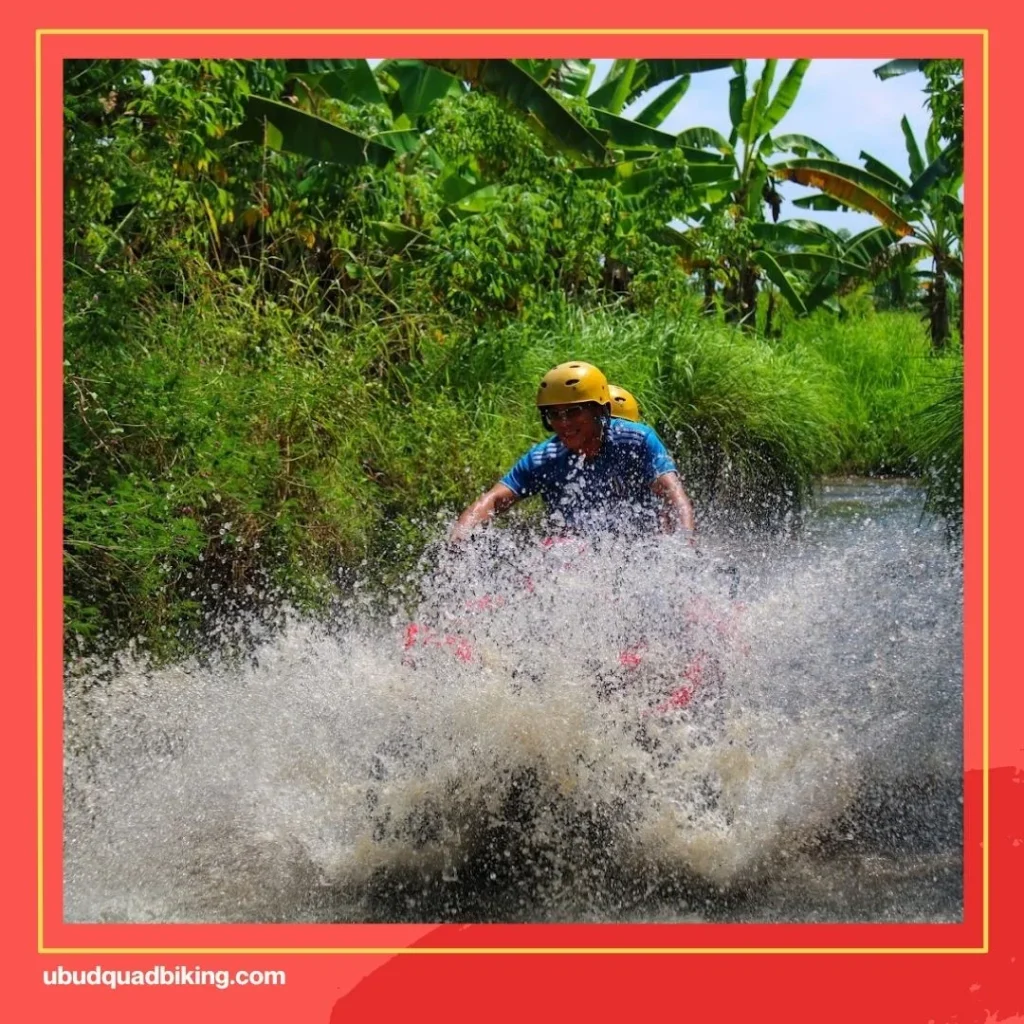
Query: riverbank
{"points": [[205, 474]]}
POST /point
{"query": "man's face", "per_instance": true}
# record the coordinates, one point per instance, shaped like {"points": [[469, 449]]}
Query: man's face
{"points": [[576, 426]]}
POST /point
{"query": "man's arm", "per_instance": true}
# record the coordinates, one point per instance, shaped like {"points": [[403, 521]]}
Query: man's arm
{"points": [[488, 505], [678, 512]]}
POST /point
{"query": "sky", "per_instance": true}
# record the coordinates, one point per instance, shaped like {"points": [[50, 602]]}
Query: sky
{"points": [[840, 104]]}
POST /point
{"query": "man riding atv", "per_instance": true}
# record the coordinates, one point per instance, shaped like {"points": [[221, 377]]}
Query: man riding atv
{"points": [[603, 472], [597, 472]]}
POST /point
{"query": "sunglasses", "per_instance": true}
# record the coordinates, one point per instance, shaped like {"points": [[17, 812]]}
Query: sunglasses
{"points": [[571, 412]]}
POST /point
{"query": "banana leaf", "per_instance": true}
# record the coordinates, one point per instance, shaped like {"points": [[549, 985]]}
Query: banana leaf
{"points": [[624, 132], [633, 176], [282, 127], [700, 177], [823, 203], [456, 185], [704, 174], [768, 263], [709, 200], [646, 75], [403, 141], [624, 88], [869, 245], [476, 201], [743, 127], [572, 77], [898, 258], [662, 105], [954, 266], [685, 244], [784, 97], [704, 138], [932, 145], [350, 80], [510, 82], [754, 110], [847, 192], [703, 156], [821, 292], [793, 232], [668, 235], [615, 87], [899, 67], [864, 179], [630, 177], [951, 204], [913, 151], [419, 86], [818, 263], [613, 172], [880, 170], [802, 145], [738, 96], [659, 71], [539, 70], [949, 164]]}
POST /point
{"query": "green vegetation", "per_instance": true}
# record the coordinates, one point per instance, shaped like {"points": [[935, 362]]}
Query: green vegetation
{"points": [[307, 305]]}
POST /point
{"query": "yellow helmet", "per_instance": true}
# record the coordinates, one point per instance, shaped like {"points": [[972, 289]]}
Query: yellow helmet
{"points": [[624, 405], [573, 383]]}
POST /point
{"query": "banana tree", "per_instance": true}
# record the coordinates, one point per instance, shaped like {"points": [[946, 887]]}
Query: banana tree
{"points": [[631, 148], [618, 148], [626, 83], [401, 92], [740, 201], [925, 213], [411, 88], [623, 150]]}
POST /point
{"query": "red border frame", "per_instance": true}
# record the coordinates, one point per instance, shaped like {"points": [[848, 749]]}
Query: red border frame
{"points": [[593, 973]]}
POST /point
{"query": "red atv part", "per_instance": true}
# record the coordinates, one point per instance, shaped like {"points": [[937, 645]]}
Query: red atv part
{"points": [[424, 636], [700, 671]]}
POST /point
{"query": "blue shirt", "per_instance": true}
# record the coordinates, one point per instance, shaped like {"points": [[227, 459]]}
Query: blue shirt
{"points": [[607, 491]]}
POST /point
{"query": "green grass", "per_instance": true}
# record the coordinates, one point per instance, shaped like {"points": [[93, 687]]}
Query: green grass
{"points": [[884, 366], [227, 448]]}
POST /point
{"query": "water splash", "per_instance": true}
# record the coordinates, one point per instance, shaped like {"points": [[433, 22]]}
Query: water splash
{"points": [[519, 758]]}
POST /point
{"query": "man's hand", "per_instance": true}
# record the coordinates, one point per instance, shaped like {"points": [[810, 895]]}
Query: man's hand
{"points": [[496, 500], [460, 533]]}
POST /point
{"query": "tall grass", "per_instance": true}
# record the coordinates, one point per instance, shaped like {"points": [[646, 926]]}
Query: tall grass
{"points": [[749, 425], [938, 435], [885, 366], [222, 446]]}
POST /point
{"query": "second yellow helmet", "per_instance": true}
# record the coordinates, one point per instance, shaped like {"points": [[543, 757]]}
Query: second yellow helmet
{"points": [[624, 405]]}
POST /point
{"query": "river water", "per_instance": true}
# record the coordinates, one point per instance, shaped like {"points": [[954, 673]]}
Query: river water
{"points": [[517, 756]]}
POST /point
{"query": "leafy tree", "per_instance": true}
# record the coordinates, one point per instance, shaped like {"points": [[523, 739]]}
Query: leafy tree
{"points": [[927, 207]]}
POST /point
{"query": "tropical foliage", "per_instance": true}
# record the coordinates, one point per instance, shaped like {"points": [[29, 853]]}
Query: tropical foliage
{"points": [[305, 303]]}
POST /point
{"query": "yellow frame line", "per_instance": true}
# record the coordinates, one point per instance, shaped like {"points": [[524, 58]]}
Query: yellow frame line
{"points": [[645, 951], [517, 31], [39, 483]]}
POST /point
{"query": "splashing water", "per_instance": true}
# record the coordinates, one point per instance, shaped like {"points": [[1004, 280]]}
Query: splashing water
{"points": [[559, 732]]}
